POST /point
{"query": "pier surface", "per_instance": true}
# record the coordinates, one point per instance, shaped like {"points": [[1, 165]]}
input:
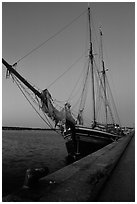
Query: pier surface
{"points": [[120, 187], [83, 180]]}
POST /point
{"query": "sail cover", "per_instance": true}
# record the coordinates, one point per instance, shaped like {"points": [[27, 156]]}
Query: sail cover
{"points": [[63, 116]]}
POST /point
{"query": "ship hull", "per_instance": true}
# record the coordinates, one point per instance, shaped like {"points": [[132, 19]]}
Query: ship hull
{"points": [[88, 140]]}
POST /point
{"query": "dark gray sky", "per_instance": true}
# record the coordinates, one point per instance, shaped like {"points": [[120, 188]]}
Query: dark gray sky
{"points": [[26, 25]]}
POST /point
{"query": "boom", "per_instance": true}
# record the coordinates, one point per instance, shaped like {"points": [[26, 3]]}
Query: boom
{"points": [[12, 70]]}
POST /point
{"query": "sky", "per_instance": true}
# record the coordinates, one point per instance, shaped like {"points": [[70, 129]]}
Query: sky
{"points": [[26, 25]]}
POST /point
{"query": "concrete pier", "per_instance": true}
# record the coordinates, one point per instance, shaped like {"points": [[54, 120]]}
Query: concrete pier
{"points": [[78, 182], [120, 186]]}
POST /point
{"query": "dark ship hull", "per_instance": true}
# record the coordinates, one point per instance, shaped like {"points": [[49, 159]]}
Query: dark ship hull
{"points": [[88, 140]]}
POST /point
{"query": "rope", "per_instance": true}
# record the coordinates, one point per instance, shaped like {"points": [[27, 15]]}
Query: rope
{"points": [[71, 94], [48, 123], [69, 68], [93, 27], [114, 105], [103, 91], [53, 36], [84, 91], [108, 104], [29, 101]]}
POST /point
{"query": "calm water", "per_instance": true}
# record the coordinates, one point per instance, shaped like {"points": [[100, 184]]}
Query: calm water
{"points": [[23, 149]]}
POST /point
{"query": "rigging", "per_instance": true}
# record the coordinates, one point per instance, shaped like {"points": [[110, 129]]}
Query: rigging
{"points": [[53, 36]]}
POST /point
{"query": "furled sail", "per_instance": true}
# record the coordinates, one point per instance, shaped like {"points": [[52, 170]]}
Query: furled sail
{"points": [[62, 117]]}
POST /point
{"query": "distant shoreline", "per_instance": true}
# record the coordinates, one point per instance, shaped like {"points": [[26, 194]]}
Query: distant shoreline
{"points": [[27, 128], [24, 128]]}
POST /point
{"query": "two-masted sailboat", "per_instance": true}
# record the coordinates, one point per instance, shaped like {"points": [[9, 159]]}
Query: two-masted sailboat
{"points": [[80, 139]]}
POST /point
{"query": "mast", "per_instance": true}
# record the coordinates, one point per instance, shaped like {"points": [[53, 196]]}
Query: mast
{"points": [[92, 71], [104, 76], [11, 70]]}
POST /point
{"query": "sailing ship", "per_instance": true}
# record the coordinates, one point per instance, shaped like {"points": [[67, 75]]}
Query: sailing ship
{"points": [[80, 139]]}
